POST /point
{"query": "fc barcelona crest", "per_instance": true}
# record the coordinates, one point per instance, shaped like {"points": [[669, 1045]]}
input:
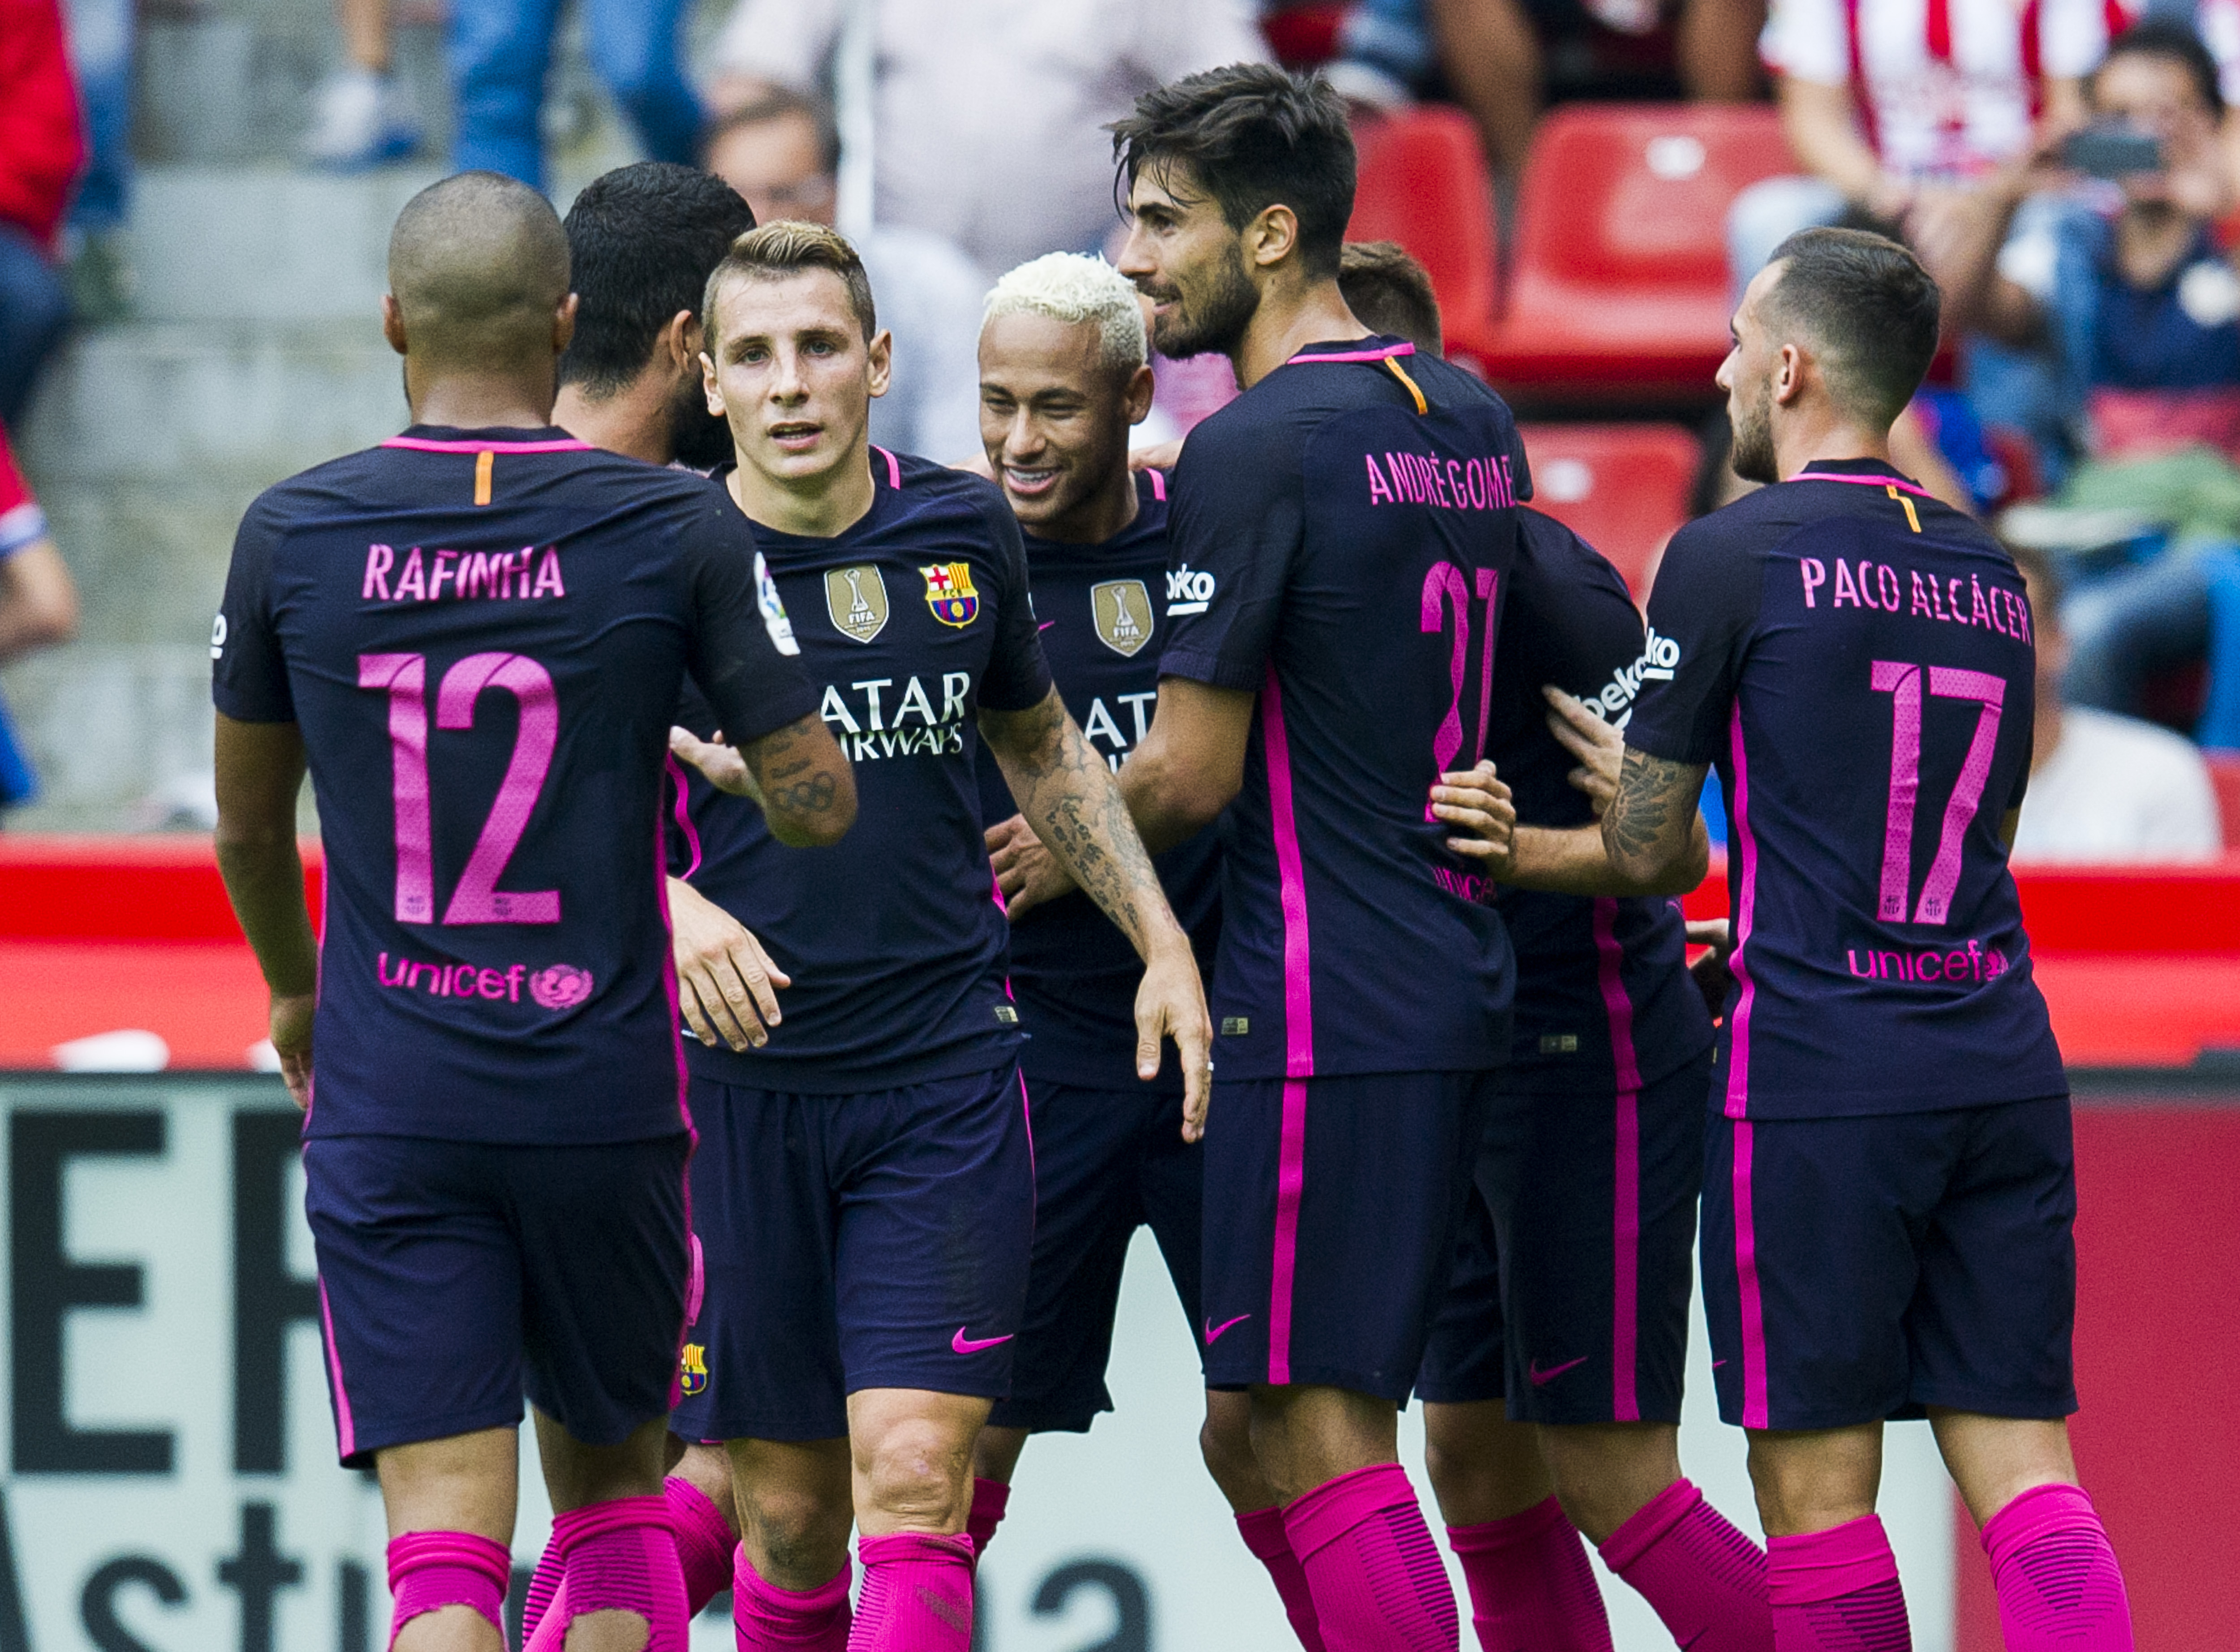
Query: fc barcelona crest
{"points": [[692, 1368], [949, 593], [1123, 612], [856, 599]]}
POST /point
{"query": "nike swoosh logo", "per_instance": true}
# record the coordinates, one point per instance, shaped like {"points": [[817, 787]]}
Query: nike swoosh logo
{"points": [[1540, 1378], [963, 1344], [1213, 1330]]}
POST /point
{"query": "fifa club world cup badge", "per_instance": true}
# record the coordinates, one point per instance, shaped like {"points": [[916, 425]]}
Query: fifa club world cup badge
{"points": [[1122, 610], [949, 593], [856, 600]]}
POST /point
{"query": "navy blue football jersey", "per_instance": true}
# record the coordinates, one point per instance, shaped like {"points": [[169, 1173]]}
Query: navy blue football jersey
{"points": [[909, 623], [1100, 613], [1343, 534], [1603, 999], [483, 634], [1858, 661]]}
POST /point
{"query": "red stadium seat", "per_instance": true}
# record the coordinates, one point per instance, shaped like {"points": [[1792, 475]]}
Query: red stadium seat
{"points": [[1424, 182], [2224, 769], [1304, 37], [1619, 287], [1622, 487]]}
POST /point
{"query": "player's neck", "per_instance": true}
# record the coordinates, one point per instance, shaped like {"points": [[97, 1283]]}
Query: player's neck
{"points": [[479, 401], [635, 421], [1292, 314], [1105, 515], [818, 506], [1823, 435]]}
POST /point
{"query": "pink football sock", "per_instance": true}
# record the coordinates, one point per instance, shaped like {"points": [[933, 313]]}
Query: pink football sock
{"points": [[704, 1544], [1371, 1565], [1836, 1591], [1530, 1587], [1705, 1579], [990, 1499], [917, 1594], [543, 1589], [620, 1557], [429, 1571], [2058, 1583], [1263, 1530], [765, 1618]]}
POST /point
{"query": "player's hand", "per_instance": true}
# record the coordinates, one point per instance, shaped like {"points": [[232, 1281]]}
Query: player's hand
{"points": [[1599, 748], [1479, 805], [1026, 871], [291, 1042], [726, 984], [1709, 972], [1170, 1003], [725, 769]]}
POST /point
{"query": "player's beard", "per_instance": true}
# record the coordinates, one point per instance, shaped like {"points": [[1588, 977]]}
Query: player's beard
{"points": [[702, 439], [1215, 324], [1752, 458]]}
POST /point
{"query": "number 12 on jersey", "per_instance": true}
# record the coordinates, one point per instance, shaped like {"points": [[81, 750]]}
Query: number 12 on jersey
{"points": [[477, 899], [1903, 682]]}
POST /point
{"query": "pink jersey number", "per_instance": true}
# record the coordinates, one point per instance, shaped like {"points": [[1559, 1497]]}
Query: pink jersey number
{"points": [[477, 899], [1446, 589], [1904, 682]]}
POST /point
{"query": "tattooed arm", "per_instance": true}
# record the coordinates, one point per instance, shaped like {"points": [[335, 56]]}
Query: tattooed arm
{"points": [[1066, 793], [798, 774]]}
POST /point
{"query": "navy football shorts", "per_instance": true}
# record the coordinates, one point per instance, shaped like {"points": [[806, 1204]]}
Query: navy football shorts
{"points": [[1858, 1269], [454, 1277], [1331, 1210], [875, 1240], [1106, 1163], [1591, 1201]]}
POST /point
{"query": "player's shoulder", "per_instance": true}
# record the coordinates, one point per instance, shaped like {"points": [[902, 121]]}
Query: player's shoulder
{"points": [[926, 484], [1548, 550]]}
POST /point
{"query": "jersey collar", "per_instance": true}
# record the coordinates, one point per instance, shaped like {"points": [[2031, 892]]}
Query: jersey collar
{"points": [[1872, 473], [445, 438], [1379, 347]]}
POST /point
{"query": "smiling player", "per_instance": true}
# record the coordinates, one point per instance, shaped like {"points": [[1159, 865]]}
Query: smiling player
{"points": [[864, 1191]]}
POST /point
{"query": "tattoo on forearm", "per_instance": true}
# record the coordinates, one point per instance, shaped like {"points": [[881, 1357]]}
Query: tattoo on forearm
{"points": [[1656, 803], [1065, 788], [788, 778]]}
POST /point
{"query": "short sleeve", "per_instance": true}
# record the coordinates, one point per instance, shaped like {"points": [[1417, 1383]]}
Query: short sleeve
{"points": [[738, 637], [249, 667], [1017, 675], [1808, 40], [1234, 531], [1700, 615]]}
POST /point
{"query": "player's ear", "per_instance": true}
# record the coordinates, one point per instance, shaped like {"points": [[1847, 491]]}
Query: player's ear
{"points": [[1788, 375], [564, 324], [1273, 235], [710, 389], [392, 322], [881, 363], [1138, 396], [681, 340]]}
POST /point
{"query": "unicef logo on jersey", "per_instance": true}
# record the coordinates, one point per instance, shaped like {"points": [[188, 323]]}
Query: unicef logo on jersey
{"points": [[561, 986], [1188, 591]]}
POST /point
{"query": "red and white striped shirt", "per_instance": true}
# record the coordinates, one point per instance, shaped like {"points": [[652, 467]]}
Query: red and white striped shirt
{"points": [[1946, 87]]}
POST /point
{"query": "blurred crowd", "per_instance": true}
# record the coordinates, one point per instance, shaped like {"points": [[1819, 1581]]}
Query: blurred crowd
{"points": [[2067, 169]]}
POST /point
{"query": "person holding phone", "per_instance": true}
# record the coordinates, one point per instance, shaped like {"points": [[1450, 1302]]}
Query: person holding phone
{"points": [[2140, 304]]}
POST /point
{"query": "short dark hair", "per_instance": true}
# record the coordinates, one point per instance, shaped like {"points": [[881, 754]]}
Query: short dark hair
{"points": [[775, 250], [1872, 309], [1389, 292], [641, 240], [777, 103], [1254, 136], [479, 266], [2176, 42]]}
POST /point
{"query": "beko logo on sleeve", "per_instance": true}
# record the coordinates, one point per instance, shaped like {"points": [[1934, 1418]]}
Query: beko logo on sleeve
{"points": [[218, 638], [1614, 704], [1188, 591]]}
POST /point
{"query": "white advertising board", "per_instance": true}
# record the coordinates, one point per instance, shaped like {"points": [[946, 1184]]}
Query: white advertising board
{"points": [[171, 1483]]}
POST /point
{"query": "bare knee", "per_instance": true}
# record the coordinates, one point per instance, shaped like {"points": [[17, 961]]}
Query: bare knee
{"points": [[1607, 1473], [1224, 1439], [912, 1455], [1481, 1466], [794, 1509]]}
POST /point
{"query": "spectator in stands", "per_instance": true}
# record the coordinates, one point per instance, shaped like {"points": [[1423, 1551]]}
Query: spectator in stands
{"points": [[500, 51], [40, 151], [361, 116], [102, 36], [1505, 60], [38, 606], [989, 114], [782, 154], [2103, 787]]}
